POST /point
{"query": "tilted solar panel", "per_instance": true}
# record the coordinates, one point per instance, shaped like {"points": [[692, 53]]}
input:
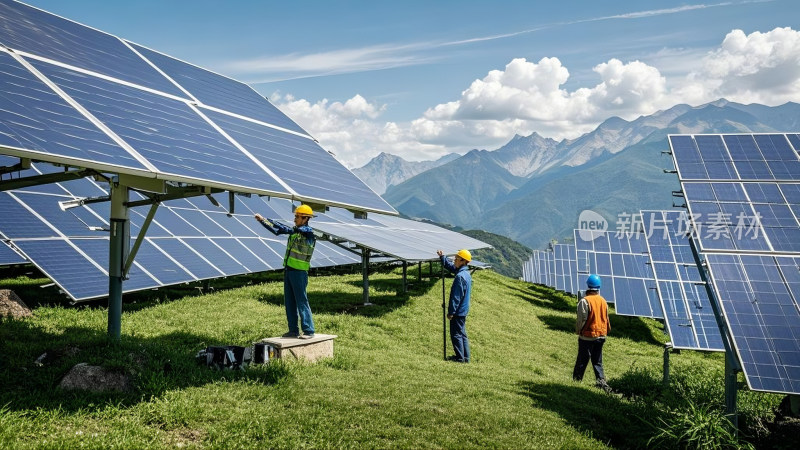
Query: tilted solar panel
{"points": [[88, 99], [758, 295], [746, 226], [620, 259], [688, 315], [9, 256]]}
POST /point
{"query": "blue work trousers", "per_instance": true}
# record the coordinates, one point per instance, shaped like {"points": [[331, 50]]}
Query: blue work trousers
{"points": [[296, 300], [589, 350], [458, 334]]}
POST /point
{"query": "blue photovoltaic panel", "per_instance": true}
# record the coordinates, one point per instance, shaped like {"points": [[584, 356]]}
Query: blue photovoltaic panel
{"points": [[35, 118], [300, 162], [688, 314], [41, 33], [747, 228], [736, 157], [745, 217], [174, 138], [97, 250], [564, 257], [164, 134], [758, 295], [9, 256], [620, 259], [220, 92], [551, 268], [68, 268]]}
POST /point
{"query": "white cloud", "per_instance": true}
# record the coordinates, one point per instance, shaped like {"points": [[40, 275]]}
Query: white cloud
{"points": [[755, 68], [527, 97]]}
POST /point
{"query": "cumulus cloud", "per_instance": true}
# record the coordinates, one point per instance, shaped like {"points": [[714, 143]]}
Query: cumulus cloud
{"points": [[755, 68], [526, 97]]}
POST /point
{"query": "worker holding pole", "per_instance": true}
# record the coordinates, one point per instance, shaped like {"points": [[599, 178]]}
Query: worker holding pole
{"points": [[458, 306], [297, 261]]}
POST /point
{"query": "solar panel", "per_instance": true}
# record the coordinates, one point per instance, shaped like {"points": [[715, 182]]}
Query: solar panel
{"points": [[688, 315], [191, 239], [566, 267], [620, 259], [745, 223], [394, 236], [758, 296], [9, 256], [85, 98]]}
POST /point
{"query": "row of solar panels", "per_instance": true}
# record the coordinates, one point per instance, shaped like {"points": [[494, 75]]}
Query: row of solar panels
{"points": [[75, 95], [189, 239], [647, 273], [742, 194]]}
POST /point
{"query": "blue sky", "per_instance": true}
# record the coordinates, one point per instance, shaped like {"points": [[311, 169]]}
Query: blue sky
{"points": [[421, 79]]}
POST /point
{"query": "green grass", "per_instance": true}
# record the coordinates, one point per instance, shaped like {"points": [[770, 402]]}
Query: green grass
{"points": [[387, 385]]}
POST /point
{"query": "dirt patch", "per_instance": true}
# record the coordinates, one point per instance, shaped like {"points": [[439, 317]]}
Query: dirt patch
{"points": [[12, 306]]}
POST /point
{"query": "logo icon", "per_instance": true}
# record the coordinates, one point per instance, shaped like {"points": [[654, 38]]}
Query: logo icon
{"points": [[589, 221]]}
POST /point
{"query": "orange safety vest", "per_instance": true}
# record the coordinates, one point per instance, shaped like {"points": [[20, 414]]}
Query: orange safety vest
{"points": [[597, 323]]}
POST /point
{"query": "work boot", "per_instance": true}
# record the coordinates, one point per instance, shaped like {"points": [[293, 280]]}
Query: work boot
{"points": [[290, 335]]}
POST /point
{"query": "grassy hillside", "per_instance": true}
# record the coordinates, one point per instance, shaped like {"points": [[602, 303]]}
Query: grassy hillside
{"points": [[387, 385], [506, 255]]}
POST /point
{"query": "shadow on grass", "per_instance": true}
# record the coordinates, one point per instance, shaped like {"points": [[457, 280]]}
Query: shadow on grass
{"points": [[559, 323], [605, 417], [632, 328], [385, 296], [546, 297], [154, 366]]}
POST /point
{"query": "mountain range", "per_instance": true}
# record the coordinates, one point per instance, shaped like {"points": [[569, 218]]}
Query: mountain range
{"points": [[532, 189]]}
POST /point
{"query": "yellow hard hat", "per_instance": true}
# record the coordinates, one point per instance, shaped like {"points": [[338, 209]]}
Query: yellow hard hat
{"points": [[465, 255], [304, 210]]}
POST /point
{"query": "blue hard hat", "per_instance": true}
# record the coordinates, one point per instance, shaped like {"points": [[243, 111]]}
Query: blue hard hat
{"points": [[593, 282]]}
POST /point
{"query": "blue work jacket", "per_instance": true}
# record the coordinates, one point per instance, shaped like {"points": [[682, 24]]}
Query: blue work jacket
{"points": [[460, 291]]}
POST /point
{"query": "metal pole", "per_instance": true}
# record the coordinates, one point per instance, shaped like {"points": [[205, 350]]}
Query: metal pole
{"points": [[731, 361], [444, 319], [405, 277], [365, 274], [667, 349], [119, 242]]}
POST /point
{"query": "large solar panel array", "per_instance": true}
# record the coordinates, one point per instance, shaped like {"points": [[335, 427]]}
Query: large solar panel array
{"points": [[78, 96], [688, 315], [621, 261], [408, 240], [743, 197], [189, 239]]}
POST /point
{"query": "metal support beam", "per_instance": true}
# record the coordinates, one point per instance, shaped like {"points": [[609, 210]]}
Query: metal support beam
{"points": [[665, 379], [139, 239], [118, 252], [731, 361], [23, 164], [49, 178], [405, 277], [365, 274]]}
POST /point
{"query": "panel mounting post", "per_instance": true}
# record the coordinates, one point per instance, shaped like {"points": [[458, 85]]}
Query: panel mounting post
{"points": [[119, 243], [365, 274]]}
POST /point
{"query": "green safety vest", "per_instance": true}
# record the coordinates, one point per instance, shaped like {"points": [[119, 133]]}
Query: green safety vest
{"points": [[298, 252]]}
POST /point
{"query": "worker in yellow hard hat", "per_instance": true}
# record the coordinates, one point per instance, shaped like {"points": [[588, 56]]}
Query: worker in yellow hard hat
{"points": [[458, 307], [296, 263]]}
